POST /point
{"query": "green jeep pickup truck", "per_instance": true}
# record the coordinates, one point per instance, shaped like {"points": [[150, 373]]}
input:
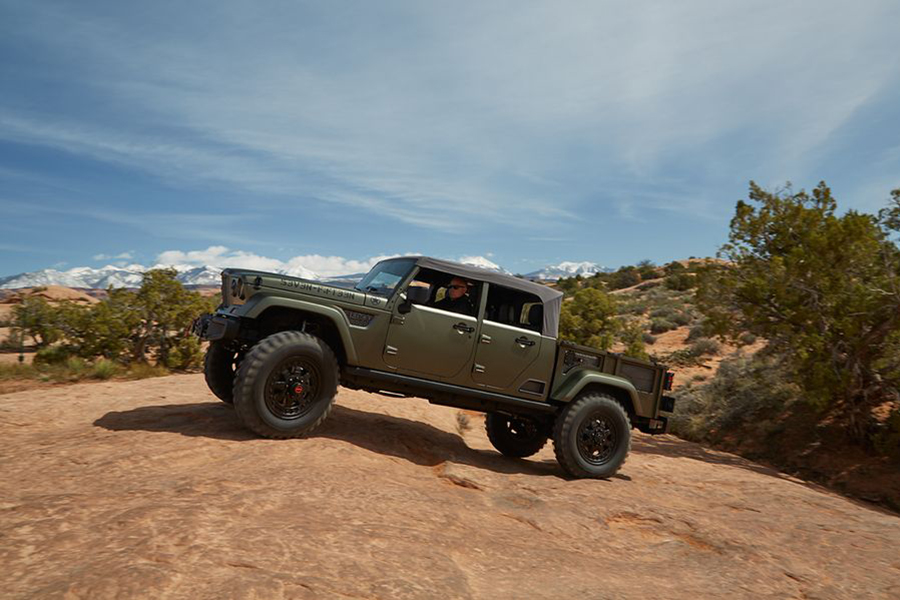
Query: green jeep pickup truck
{"points": [[454, 334]]}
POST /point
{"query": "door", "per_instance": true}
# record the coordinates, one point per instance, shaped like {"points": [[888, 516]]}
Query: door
{"points": [[503, 354], [430, 340], [510, 339]]}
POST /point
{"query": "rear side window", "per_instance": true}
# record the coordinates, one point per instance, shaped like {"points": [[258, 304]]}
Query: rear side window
{"points": [[512, 307]]}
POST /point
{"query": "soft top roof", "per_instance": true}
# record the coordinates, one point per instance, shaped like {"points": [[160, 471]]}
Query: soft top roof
{"points": [[551, 298]]}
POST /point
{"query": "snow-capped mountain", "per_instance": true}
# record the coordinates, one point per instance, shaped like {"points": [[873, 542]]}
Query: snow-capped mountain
{"points": [[190, 274], [129, 276], [482, 262], [82, 277], [566, 269]]}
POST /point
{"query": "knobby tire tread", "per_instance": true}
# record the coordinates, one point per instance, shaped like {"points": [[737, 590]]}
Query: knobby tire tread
{"points": [[250, 369], [562, 430]]}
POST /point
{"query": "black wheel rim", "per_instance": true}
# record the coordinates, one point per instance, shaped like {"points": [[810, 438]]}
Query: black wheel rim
{"points": [[597, 439], [521, 429], [292, 388]]}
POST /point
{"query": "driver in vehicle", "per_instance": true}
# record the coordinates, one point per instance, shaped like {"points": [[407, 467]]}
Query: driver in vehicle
{"points": [[457, 298]]}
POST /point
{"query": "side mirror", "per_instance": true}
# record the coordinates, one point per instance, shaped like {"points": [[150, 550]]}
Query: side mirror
{"points": [[413, 295]]}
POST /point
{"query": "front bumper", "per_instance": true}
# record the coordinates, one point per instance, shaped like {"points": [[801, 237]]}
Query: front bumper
{"points": [[216, 327]]}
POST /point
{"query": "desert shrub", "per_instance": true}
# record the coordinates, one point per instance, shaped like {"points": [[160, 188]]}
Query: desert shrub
{"points": [[700, 330], [661, 326], [649, 338], [623, 278], [53, 355], [704, 346], [185, 354], [647, 270], [589, 318], [631, 334], [632, 308], [141, 370], [681, 318], [568, 285], [822, 287], [742, 391], [663, 313], [885, 438], [649, 285], [127, 326], [680, 281], [76, 366], [35, 318], [747, 338], [17, 371], [104, 369], [673, 268], [13, 343]]}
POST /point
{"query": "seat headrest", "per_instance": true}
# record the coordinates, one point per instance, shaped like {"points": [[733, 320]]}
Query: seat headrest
{"points": [[536, 315]]}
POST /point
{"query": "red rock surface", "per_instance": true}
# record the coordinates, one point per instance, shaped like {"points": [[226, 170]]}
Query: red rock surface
{"points": [[152, 489]]}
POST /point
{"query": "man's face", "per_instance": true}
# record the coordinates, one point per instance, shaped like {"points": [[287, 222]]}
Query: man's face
{"points": [[457, 288]]}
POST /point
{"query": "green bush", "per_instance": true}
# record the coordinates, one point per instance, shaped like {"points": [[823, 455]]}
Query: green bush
{"points": [[185, 354], [747, 338], [104, 369], [151, 323], [35, 318], [681, 282], [624, 278], [631, 334], [822, 286], [53, 355], [743, 392], [663, 313], [661, 326], [700, 330], [705, 346], [649, 339], [673, 268], [681, 318], [145, 371], [589, 318]]}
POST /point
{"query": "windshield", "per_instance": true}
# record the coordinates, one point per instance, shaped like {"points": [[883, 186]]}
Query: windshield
{"points": [[385, 276]]}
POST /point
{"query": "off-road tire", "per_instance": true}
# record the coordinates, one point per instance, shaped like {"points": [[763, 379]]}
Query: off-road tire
{"points": [[582, 428], [517, 437], [219, 369], [257, 399]]}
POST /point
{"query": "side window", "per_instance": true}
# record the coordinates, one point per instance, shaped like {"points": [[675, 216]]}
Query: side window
{"points": [[449, 292], [512, 307]]}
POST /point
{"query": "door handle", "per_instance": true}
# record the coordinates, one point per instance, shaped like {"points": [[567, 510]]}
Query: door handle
{"points": [[524, 341], [463, 328]]}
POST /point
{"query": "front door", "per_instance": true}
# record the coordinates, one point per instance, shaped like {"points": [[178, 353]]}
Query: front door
{"points": [[432, 340]]}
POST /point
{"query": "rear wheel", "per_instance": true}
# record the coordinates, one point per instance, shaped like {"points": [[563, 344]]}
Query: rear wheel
{"points": [[285, 387], [219, 367], [516, 436], [592, 436]]}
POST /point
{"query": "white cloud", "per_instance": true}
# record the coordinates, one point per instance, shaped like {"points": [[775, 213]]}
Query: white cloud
{"points": [[309, 265], [471, 114], [120, 256]]}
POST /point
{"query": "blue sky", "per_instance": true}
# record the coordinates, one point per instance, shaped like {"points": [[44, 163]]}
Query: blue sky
{"points": [[527, 132]]}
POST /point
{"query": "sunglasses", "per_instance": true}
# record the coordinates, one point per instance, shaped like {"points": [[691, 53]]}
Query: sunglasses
{"points": [[457, 287]]}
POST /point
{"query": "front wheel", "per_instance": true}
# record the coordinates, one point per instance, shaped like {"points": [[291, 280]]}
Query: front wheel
{"points": [[219, 366], [515, 436], [592, 436], [285, 386]]}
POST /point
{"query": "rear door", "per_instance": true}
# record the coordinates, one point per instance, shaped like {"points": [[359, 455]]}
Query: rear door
{"points": [[510, 340]]}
